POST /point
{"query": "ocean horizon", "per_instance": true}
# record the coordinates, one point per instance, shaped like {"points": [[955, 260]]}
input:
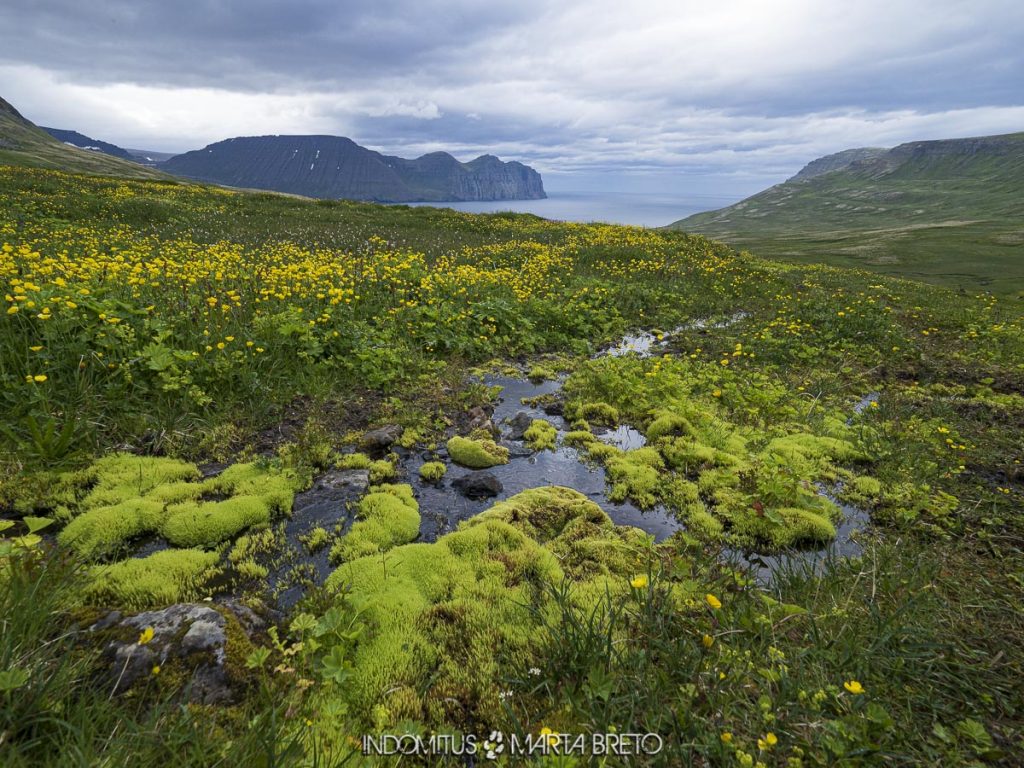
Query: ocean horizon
{"points": [[633, 208]]}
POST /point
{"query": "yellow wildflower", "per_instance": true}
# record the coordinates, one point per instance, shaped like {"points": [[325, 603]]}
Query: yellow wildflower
{"points": [[146, 635], [713, 601], [638, 582], [853, 687]]}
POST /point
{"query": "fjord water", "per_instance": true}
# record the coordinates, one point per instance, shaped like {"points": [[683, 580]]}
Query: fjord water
{"points": [[644, 209]]}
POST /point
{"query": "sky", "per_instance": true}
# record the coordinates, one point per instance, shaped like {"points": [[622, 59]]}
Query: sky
{"points": [[721, 97]]}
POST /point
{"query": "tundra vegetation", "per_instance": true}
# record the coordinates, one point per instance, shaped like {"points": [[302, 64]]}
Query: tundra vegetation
{"points": [[152, 330]]}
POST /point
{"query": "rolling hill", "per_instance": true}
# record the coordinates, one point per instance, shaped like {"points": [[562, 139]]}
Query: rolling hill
{"points": [[80, 140], [948, 212], [24, 143], [333, 167]]}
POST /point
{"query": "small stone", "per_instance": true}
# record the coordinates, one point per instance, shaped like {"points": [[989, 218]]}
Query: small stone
{"points": [[518, 425], [356, 480], [377, 442], [478, 485]]}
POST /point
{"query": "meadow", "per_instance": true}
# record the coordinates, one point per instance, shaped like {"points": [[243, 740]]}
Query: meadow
{"points": [[152, 329]]}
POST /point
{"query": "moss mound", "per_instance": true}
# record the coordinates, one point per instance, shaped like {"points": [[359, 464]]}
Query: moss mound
{"points": [[446, 621], [541, 435], [388, 516], [432, 471], [171, 576], [476, 454]]}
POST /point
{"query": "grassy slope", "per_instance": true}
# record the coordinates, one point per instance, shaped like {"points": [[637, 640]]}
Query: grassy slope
{"points": [[927, 620], [954, 221], [22, 143]]}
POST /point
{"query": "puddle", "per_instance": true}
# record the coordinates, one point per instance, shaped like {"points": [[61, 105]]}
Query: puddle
{"points": [[442, 507], [646, 343]]}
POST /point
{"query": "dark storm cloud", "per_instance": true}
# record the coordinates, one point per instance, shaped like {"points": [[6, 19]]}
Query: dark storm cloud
{"points": [[739, 88], [243, 44]]}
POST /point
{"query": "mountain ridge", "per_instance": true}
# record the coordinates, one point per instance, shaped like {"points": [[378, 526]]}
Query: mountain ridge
{"points": [[330, 167], [22, 142]]}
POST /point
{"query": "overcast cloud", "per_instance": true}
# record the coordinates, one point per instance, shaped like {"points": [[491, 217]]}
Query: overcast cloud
{"points": [[728, 95]]}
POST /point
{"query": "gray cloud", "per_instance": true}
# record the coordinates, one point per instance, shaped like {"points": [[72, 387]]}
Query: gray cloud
{"points": [[741, 90]]}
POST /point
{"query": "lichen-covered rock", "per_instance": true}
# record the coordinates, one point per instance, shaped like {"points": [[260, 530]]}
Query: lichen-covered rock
{"points": [[185, 639]]}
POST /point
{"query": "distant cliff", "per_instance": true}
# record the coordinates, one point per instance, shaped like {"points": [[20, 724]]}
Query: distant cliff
{"points": [[336, 167]]}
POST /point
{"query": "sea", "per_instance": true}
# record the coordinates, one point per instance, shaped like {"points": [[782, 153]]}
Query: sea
{"points": [[636, 208]]}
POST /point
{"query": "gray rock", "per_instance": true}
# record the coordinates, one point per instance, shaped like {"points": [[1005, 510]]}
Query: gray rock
{"points": [[355, 480], [518, 425], [377, 442], [187, 633], [478, 485]]}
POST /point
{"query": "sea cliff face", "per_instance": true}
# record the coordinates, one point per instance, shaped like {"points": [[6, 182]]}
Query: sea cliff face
{"points": [[336, 167]]}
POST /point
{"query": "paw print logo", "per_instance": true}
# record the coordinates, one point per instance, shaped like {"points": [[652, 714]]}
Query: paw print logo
{"points": [[494, 745]]}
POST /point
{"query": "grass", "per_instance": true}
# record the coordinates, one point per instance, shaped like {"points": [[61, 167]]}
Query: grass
{"points": [[195, 323]]}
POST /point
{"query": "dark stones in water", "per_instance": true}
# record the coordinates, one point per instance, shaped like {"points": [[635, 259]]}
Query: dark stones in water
{"points": [[376, 442], [478, 485], [518, 425]]}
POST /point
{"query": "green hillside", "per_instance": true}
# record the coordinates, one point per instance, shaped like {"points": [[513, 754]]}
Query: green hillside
{"points": [[768, 513], [22, 143], [947, 212]]}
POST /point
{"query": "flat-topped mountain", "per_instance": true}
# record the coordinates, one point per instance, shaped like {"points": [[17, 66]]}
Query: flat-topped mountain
{"points": [[336, 167], [949, 211]]}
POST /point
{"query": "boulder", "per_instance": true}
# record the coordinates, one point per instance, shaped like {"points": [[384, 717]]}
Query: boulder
{"points": [[478, 485], [189, 634]]}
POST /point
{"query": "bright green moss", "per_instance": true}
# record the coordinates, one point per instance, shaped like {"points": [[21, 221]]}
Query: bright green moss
{"points": [[540, 373], [252, 544], [354, 461], [205, 525], [122, 476], [100, 531], [250, 569], [445, 619], [476, 454], [688, 455], [668, 423], [598, 413], [578, 438], [432, 471], [164, 502], [599, 451], [636, 475], [316, 539], [541, 435], [388, 516], [171, 576], [543, 513]]}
